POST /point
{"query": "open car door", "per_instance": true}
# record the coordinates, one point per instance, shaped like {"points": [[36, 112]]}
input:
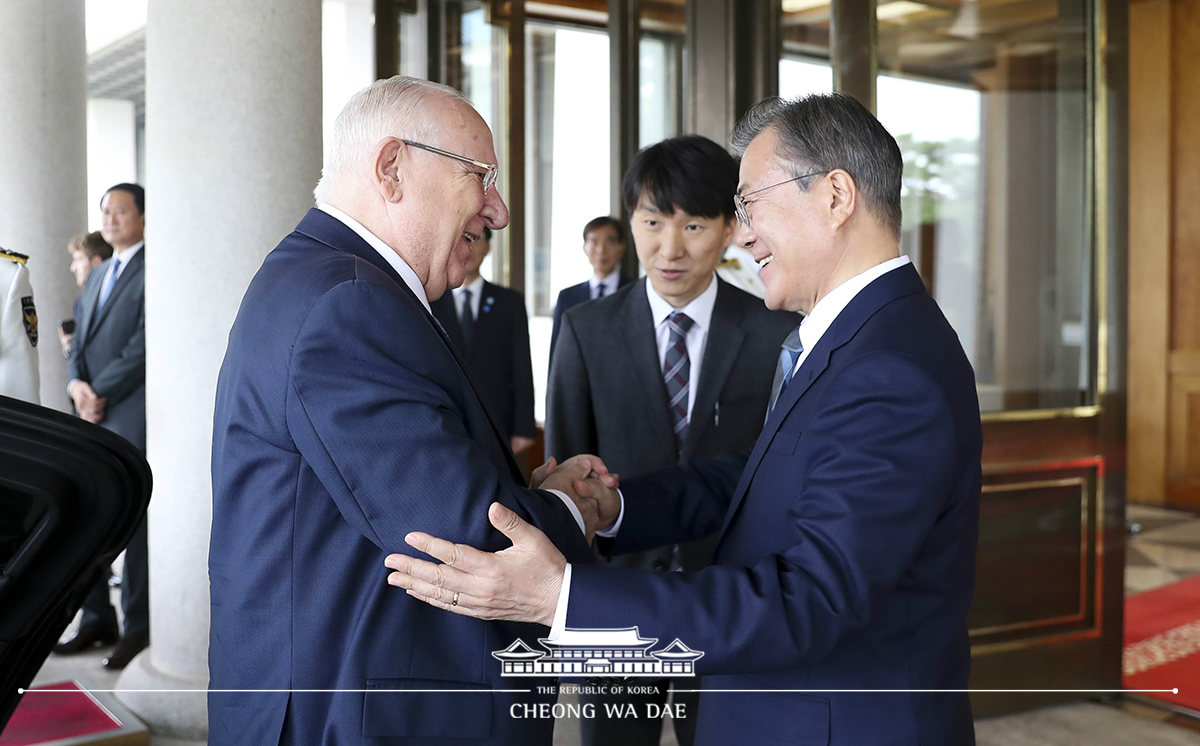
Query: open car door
{"points": [[71, 495]]}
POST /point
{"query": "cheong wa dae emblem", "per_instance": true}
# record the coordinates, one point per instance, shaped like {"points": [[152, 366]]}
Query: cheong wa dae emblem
{"points": [[598, 652]]}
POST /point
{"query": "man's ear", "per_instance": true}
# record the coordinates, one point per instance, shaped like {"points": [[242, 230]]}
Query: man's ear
{"points": [[843, 198], [387, 168]]}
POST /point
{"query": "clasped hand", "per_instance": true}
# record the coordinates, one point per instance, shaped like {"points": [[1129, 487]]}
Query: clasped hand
{"points": [[585, 480]]}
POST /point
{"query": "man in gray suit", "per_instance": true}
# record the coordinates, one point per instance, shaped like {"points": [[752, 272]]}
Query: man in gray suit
{"points": [[107, 373], [674, 366]]}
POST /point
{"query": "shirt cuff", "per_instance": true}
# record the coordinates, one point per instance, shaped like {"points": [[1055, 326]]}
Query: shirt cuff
{"points": [[612, 530], [560, 611], [574, 512], [71, 383]]}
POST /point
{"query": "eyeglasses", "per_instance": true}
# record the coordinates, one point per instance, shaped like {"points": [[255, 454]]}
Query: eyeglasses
{"points": [[488, 177], [739, 200]]}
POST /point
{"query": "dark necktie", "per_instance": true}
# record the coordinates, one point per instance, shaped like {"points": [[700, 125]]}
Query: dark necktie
{"points": [[788, 355], [600, 290], [109, 282], [677, 370], [467, 320]]}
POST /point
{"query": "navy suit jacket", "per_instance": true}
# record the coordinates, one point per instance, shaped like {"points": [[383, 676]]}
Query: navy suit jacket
{"points": [[344, 420], [570, 297], [108, 350], [847, 556], [499, 356]]}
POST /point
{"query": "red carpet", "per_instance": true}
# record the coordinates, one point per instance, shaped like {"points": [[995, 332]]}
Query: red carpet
{"points": [[1162, 642], [67, 713]]}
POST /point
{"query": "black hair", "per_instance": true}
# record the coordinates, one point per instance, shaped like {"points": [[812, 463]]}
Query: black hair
{"points": [[822, 132], [596, 224], [134, 190], [689, 173]]}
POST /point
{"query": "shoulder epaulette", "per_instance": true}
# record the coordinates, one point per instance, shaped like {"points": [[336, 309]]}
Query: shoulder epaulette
{"points": [[733, 264], [13, 256]]}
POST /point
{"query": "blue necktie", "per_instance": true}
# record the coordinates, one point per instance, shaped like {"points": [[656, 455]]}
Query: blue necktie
{"points": [[677, 371], [789, 353], [109, 282]]}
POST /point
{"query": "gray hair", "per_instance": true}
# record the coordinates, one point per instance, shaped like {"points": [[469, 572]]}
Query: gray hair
{"points": [[397, 107], [823, 132]]}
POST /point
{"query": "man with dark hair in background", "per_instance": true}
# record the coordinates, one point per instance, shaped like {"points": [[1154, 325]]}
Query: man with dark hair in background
{"points": [[489, 326], [88, 251], [107, 373], [674, 366], [604, 244]]}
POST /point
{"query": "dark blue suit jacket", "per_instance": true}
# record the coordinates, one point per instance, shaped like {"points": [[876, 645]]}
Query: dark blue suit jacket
{"points": [[343, 421], [570, 297], [847, 557]]}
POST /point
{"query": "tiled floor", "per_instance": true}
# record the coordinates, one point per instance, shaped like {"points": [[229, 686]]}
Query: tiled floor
{"points": [[1166, 549]]}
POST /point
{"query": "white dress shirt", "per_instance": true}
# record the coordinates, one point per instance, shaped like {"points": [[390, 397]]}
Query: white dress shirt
{"points": [[610, 283], [476, 288], [124, 257], [812, 328], [822, 316], [700, 312]]}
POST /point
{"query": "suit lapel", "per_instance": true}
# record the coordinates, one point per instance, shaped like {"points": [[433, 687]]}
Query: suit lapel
{"points": [[883, 290], [125, 279], [725, 338], [641, 349], [323, 227]]}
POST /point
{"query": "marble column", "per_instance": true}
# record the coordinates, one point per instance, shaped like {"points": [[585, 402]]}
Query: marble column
{"points": [[233, 151], [43, 161]]}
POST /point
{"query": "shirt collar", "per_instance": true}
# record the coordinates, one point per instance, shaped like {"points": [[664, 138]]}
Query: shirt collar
{"points": [[387, 252], [476, 288], [124, 256], [609, 282], [827, 309], [699, 310]]}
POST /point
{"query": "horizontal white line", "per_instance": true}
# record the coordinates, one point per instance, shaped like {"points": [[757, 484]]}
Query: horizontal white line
{"points": [[936, 691], [273, 691], [691, 691]]}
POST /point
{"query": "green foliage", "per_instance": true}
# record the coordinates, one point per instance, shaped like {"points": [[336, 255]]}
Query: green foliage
{"points": [[941, 180]]}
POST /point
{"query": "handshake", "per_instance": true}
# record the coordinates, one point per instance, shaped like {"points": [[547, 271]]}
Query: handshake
{"points": [[584, 479]]}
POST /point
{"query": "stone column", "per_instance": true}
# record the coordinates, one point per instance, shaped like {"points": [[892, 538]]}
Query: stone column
{"points": [[233, 151], [43, 161]]}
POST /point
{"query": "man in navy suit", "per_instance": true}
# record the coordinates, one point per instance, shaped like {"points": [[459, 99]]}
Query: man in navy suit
{"points": [[604, 244], [847, 554], [490, 328], [106, 368], [345, 419]]}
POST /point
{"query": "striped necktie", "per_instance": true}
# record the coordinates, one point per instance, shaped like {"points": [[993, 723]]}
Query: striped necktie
{"points": [[677, 371]]}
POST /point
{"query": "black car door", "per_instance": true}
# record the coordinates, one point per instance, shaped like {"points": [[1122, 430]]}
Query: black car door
{"points": [[71, 495]]}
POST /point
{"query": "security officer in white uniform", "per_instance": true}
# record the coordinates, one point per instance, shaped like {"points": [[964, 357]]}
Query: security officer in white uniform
{"points": [[18, 330]]}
